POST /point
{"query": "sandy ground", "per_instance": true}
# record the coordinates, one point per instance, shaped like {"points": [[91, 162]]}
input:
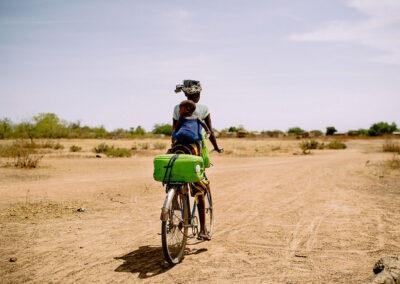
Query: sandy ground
{"points": [[320, 218]]}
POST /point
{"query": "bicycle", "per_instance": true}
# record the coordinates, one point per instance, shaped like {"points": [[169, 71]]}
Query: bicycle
{"points": [[179, 221], [178, 218]]}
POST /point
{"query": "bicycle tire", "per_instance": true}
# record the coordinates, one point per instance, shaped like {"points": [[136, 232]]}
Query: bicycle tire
{"points": [[174, 230]]}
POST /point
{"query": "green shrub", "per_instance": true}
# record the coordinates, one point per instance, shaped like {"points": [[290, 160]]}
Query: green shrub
{"points": [[75, 148], [391, 147], [309, 145], [138, 131], [165, 129], [111, 151], [6, 128], [330, 130], [159, 146], [118, 152], [233, 129], [134, 147], [49, 125], [336, 145], [316, 133], [58, 146], [381, 128], [295, 131], [101, 148]]}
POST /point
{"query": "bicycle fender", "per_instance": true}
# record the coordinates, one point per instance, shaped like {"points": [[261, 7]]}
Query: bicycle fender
{"points": [[167, 204]]}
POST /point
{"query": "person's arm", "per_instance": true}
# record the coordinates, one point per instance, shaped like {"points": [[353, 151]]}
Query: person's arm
{"points": [[212, 136], [204, 126]]}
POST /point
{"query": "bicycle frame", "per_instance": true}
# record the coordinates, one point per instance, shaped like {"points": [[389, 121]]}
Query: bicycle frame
{"points": [[171, 189]]}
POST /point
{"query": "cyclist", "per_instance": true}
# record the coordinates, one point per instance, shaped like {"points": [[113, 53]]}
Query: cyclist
{"points": [[192, 90]]}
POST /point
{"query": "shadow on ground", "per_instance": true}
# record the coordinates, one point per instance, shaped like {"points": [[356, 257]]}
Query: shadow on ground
{"points": [[148, 261]]}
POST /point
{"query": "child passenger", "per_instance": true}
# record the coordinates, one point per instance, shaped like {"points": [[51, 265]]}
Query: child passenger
{"points": [[188, 128]]}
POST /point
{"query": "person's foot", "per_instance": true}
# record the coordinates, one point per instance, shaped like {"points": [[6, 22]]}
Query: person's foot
{"points": [[203, 237]]}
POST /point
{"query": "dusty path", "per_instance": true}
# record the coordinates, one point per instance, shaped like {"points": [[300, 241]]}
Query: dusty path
{"points": [[324, 218]]}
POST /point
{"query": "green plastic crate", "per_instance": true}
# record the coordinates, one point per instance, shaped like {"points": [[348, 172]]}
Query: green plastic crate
{"points": [[204, 151], [186, 168]]}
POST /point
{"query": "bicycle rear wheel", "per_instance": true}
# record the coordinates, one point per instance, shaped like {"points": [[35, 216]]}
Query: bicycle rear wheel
{"points": [[175, 229]]}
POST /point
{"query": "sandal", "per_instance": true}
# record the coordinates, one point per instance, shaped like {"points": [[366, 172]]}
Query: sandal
{"points": [[203, 237]]}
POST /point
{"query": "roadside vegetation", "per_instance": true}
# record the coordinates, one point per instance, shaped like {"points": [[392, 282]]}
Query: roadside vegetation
{"points": [[20, 154], [50, 126], [307, 146], [75, 148], [111, 151], [394, 162], [390, 146]]}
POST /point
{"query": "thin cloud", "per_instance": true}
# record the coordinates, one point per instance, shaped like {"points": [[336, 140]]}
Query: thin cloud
{"points": [[379, 30], [11, 22]]}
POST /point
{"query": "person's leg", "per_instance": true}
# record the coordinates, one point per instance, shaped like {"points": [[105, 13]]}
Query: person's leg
{"points": [[202, 216]]}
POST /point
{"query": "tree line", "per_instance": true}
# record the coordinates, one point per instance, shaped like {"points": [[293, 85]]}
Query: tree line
{"points": [[49, 125]]}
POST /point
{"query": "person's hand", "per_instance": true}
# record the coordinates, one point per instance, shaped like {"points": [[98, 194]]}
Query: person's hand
{"points": [[208, 133]]}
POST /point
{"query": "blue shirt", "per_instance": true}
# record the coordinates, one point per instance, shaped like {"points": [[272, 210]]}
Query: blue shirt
{"points": [[190, 132]]}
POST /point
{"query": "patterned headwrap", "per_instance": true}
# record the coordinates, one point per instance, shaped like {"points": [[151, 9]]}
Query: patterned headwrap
{"points": [[189, 87]]}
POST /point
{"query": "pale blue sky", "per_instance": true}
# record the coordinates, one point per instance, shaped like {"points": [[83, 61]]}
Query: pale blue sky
{"points": [[264, 64]]}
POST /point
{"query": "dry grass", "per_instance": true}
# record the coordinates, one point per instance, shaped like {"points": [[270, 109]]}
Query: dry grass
{"points": [[307, 146], [112, 151], [394, 162], [159, 146], [75, 148], [22, 154], [336, 145], [390, 146]]}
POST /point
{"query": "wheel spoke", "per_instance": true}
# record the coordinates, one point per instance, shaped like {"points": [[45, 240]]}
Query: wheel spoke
{"points": [[174, 233]]}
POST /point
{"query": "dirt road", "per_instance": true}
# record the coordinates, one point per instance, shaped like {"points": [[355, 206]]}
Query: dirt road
{"points": [[321, 218]]}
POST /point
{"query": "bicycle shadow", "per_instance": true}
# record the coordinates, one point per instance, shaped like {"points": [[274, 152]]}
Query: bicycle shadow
{"points": [[148, 261]]}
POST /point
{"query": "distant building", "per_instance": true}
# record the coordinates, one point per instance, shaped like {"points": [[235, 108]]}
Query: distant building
{"points": [[242, 133]]}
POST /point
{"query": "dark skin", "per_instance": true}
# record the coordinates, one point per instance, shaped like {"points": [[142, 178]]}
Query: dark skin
{"points": [[190, 116], [176, 124]]}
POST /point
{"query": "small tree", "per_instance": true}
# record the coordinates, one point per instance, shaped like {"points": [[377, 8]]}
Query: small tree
{"points": [[48, 125], [381, 128], [6, 128], [99, 131], [295, 130], [363, 131], [233, 129], [330, 130], [25, 130], [139, 131], [165, 129], [316, 132]]}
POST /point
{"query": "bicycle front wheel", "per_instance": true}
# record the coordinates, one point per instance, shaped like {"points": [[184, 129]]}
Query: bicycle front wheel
{"points": [[175, 229]]}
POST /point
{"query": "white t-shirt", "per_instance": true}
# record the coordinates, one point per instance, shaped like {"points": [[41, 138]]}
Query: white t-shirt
{"points": [[201, 111]]}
